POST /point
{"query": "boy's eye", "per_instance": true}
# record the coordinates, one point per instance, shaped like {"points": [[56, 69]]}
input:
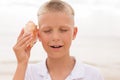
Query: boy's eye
{"points": [[63, 30], [47, 31]]}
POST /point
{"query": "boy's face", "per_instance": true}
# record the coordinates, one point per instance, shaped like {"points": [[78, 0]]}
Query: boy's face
{"points": [[56, 32]]}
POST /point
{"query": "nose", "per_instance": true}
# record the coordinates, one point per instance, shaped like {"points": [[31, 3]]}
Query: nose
{"points": [[55, 37]]}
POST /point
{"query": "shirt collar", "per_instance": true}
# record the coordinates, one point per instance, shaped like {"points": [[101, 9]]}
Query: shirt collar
{"points": [[78, 71], [42, 71]]}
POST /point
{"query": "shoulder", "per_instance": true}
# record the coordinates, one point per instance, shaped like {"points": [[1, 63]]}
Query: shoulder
{"points": [[92, 72], [34, 71], [87, 68], [36, 67], [89, 72], [90, 69]]}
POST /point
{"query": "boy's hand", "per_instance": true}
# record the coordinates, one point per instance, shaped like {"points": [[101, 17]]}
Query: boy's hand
{"points": [[23, 46]]}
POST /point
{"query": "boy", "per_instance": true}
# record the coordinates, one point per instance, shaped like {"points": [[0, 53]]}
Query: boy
{"points": [[56, 32]]}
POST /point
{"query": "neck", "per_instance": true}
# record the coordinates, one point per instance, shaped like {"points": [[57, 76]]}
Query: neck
{"points": [[60, 68], [61, 63]]}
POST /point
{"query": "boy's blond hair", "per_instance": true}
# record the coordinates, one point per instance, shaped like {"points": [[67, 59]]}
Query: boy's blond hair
{"points": [[55, 6]]}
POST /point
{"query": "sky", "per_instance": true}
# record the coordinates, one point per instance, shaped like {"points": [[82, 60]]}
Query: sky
{"points": [[93, 17]]}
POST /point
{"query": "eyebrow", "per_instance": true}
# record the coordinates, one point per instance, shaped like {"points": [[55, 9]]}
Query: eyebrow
{"points": [[46, 26], [68, 25]]}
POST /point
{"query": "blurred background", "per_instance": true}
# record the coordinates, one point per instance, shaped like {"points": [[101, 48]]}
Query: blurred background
{"points": [[97, 42]]}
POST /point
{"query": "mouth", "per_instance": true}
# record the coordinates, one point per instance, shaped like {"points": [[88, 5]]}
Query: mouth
{"points": [[56, 46]]}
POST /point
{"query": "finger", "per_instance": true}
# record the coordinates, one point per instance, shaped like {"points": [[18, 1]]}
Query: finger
{"points": [[24, 36], [27, 43], [24, 40]]}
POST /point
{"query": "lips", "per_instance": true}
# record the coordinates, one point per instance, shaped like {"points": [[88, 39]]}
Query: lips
{"points": [[56, 46]]}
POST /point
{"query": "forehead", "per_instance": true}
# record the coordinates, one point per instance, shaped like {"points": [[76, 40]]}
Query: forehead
{"points": [[55, 18], [58, 26]]}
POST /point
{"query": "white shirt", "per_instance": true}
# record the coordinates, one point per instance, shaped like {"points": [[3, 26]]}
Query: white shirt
{"points": [[80, 72]]}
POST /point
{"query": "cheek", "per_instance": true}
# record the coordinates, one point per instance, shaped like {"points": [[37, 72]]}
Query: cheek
{"points": [[67, 37], [44, 42], [44, 39]]}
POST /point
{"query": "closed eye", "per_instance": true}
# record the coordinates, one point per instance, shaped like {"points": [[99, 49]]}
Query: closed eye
{"points": [[63, 30], [47, 31]]}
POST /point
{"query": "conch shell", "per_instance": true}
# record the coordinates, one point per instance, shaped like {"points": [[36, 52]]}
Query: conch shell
{"points": [[30, 27]]}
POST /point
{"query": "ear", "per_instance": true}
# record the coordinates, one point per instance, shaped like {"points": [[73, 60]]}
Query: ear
{"points": [[38, 34], [75, 30]]}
